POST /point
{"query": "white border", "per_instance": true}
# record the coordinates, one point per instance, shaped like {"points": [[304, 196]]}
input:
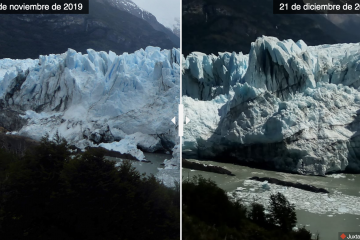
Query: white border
{"points": [[180, 147]]}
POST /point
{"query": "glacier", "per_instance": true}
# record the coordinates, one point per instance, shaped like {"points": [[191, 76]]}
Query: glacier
{"points": [[285, 105], [120, 102]]}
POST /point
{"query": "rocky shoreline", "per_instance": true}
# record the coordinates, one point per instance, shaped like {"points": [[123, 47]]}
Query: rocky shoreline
{"points": [[20, 144], [16, 144], [305, 187], [111, 153], [205, 168]]}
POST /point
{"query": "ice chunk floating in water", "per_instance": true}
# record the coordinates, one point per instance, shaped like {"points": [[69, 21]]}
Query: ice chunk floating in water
{"points": [[335, 203]]}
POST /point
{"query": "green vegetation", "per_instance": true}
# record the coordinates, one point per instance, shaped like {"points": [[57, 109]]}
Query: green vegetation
{"points": [[51, 194], [209, 214], [282, 213]]}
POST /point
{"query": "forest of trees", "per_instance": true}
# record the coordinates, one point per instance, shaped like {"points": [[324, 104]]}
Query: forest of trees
{"points": [[209, 214], [49, 193]]}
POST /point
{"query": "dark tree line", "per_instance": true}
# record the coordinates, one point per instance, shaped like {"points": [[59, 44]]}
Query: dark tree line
{"points": [[51, 194], [209, 214]]}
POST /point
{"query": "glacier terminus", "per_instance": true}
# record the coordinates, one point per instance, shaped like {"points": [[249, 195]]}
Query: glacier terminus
{"points": [[122, 102], [285, 105]]}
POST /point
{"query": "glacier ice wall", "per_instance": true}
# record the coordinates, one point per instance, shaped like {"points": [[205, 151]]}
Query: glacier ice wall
{"points": [[124, 101], [206, 76], [291, 107]]}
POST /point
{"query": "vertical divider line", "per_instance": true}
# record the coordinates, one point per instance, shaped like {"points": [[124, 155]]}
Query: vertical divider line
{"points": [[180, 121]]}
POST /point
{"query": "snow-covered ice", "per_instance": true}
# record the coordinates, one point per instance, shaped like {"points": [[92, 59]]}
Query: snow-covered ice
{"points": [[126, 145]]}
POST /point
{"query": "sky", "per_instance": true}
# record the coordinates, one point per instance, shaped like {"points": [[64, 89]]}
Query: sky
{"points": [[164, 10]]}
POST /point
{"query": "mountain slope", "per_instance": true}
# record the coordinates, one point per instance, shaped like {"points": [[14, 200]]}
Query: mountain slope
{"points": [[131, 7], [104, 28], [211, 26]]}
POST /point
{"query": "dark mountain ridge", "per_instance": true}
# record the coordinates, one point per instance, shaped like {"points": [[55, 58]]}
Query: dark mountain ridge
{"points": [[131, 7], [212, 26], [105, 28]]}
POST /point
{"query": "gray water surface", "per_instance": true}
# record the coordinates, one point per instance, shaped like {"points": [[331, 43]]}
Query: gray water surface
{"points": [[328, 225], [149, 168]]}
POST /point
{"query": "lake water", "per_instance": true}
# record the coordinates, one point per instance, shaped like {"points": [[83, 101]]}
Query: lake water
{"points": [[156, 159], [340, 209]]}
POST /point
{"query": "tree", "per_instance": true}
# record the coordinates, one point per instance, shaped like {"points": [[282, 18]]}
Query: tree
{"points": [[282, 212], [303, 234], [257, 214], [51, 193], [209, 203]]}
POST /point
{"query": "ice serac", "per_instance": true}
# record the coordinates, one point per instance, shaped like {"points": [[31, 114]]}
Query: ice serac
{"points": [[120, 101], [281, 68], [295, 109], [207, 76]]}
